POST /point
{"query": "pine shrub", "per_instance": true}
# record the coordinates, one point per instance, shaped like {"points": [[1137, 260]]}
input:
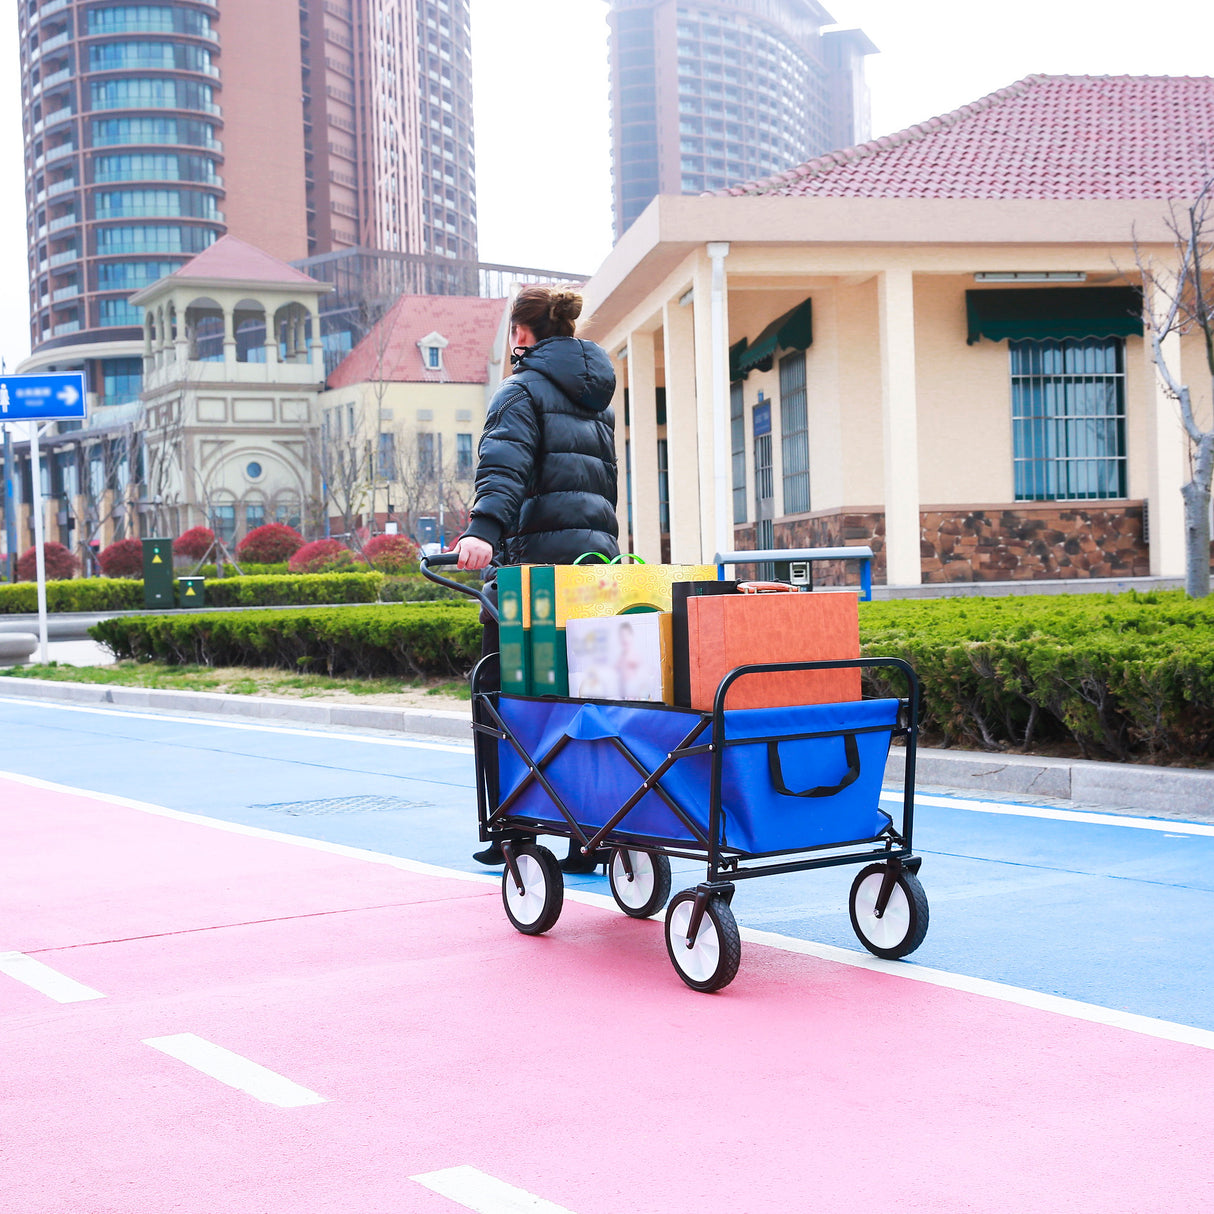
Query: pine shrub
{"points": [[59, 563], [270, 544], [194, 544], [391, 553], [321, 556], [123, 558]]}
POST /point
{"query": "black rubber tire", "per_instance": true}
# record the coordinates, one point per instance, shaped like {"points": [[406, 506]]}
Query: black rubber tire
{"points": [[904, 925], [713, 962], [644, 896], [539, 907]]}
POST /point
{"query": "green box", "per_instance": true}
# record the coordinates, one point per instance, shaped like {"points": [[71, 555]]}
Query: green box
{"points": [[514, 620], [191, 592], [158, 573], [549, 657]]}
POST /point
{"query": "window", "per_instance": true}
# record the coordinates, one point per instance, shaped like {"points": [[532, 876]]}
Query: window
{"points": [[794, 430], [737, 432], [463, 455], [385, 459], [254, 516], [224, 522], [425, 455], [113, 312], [663, 487], [122, 379], [1068, 418]]}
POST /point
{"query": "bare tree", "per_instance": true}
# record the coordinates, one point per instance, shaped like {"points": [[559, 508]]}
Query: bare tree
{"points": [[427, 482], [341, 452], [1180, 300]]}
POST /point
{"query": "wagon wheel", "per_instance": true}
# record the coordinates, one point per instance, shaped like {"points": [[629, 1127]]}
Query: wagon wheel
{"points": [[712, 960], [535, 907], [902, 926], [644, 892]]}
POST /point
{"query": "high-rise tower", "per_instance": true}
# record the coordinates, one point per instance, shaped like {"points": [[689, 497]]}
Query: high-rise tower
{"points": [[304, 127], [710, 93]]}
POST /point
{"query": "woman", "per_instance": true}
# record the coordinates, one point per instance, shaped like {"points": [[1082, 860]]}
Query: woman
{"points": [[546, 467]]}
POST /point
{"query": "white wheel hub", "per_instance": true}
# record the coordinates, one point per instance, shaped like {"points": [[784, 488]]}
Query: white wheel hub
{"points": [[637, 891], [891, 928], [529, 905], [700, 961]]}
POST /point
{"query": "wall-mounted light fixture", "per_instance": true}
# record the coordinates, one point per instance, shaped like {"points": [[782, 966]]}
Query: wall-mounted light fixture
{"points": [[1031, 276]]}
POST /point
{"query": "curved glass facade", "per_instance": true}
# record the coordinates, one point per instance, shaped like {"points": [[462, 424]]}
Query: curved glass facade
{"points": [[99, 76]]}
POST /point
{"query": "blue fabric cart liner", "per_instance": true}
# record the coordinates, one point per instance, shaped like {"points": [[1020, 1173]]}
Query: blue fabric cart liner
{"points": [[782, 791]]}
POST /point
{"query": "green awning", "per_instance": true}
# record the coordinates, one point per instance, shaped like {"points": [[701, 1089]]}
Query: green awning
{"points": [[792, 331], [1053, 312], [735, 353]]}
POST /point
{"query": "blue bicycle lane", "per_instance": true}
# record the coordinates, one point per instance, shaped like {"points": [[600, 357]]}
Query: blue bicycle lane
{"points": [[1106, 910]]}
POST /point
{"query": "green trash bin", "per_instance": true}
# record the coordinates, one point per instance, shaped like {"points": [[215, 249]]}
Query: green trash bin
{"points": [[191, 591], [158, 573]]}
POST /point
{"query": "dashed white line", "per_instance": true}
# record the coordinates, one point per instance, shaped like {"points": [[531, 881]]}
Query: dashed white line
{"points": [[476, 1190], [43, 978], [234, 1070]]}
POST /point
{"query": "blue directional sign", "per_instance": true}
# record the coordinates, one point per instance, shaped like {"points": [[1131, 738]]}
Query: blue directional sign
{"points": [[42, 397]]}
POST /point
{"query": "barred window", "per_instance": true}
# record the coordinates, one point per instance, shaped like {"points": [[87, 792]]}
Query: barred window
{"points": [[1068, 418], [737, 431], [794, 432]]}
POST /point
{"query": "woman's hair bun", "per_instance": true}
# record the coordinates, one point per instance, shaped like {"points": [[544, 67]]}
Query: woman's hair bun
{"points": [[565, 305]]}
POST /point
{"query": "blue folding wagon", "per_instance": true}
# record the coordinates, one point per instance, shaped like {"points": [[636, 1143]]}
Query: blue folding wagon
{"points": [[749, 792]]}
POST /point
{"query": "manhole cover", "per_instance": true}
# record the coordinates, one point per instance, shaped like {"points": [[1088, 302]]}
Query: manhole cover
{"points": [[343, 805]]}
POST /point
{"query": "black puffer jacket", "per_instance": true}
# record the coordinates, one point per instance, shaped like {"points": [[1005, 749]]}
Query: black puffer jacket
{"points": [[546, 469]]}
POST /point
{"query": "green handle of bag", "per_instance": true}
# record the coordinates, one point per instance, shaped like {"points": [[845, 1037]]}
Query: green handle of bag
{"points": [[617, 560], [601, 555]]}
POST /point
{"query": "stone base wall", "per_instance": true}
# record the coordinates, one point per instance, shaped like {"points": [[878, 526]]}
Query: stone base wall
{"points": [[1023, 542]]}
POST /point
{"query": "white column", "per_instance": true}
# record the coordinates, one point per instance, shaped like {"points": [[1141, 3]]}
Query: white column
{"points": [[900, 428], [1168, 451], [682, 433], [229, 337], [316, 349], [712, 392], [643, 442]]}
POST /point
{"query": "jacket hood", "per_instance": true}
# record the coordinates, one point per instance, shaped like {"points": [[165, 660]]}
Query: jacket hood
{"points": [[581, 370]]}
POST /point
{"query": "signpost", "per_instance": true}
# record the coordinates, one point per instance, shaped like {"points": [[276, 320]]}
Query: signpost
{"points": [[39, 399]]}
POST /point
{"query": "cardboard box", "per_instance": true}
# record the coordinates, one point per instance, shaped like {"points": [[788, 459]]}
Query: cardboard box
{"points": [[563, 592], [680, 593], [728, 631], [514, 624], [621, 657]]}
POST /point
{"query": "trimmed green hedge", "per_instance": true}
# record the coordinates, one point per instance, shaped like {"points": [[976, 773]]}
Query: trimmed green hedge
{"points": [[76, 594], [301, 588], [416, 588], [1127, 676], [423, 639]]}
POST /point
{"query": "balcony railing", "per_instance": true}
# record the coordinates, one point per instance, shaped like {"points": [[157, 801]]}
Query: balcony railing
{"points": [[64, 149]]}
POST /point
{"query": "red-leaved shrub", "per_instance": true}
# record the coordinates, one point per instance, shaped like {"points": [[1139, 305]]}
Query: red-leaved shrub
{"points": [[60, 563], [270, 544], [321, 556], [391, 553], [123, 558], [194, 543]]}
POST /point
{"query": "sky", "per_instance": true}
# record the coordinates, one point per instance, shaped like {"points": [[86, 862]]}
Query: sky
{"points": [[543, 137]]}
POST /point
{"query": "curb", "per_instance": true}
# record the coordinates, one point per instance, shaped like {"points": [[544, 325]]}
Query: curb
{"points": [[1165, 792]]}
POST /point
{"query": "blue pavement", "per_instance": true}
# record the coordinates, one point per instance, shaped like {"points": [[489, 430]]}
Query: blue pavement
{"points": [[1114, 914]]}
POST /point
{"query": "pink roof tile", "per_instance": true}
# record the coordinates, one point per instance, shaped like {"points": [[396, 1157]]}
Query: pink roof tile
{"points": [[1044, 137], [232, 258], [390, 351]]}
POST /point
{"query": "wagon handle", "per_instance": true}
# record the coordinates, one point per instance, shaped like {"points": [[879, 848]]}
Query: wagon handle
{"points": [[850, 751], [452, 558]]}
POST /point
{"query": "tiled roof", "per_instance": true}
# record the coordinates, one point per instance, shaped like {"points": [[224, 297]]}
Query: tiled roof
{"points": [[1044, 137], [232, 258], [390, 351]]}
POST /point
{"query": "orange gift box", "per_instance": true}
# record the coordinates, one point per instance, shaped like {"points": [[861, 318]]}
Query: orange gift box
{"points": [[726, 631]]}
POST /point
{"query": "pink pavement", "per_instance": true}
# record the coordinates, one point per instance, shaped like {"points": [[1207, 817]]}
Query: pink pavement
{"points": [[574, 1066]]}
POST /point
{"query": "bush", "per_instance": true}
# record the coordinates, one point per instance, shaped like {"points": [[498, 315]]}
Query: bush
{"points": [[414, 588], [195, 543], [79, 594], [122, 559], [269, 545], [422, 640], [321, 556], [305, 589], [391, 553], [58, 561]]}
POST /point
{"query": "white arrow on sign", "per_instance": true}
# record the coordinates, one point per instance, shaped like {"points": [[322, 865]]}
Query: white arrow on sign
{"points": [[68, 395]]}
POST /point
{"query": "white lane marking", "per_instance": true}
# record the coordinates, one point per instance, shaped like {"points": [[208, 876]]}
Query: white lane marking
{"points": [[181, 716], [234, 1070], [1148, 1026], [1166, 1029], [1087, 817], [43, 978], [476, 1190]]}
